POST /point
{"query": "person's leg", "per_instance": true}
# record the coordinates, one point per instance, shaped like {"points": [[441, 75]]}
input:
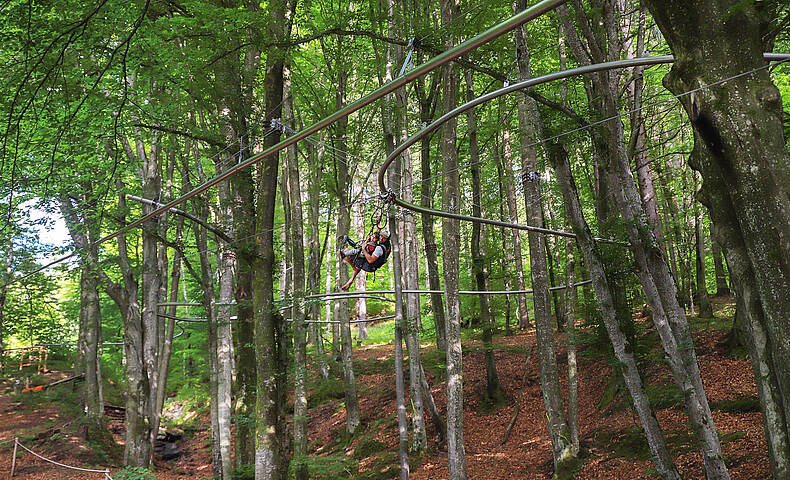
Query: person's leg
{"points": [[351, 280]]}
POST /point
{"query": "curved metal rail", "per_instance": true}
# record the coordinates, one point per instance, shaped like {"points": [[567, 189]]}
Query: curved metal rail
{"points": [[531, 82], [462, 48]]}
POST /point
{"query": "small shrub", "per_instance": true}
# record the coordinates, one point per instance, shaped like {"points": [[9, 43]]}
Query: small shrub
{"points": [[243, 472], [367, 447], [326, 390], [739, 404], [134, 473]]}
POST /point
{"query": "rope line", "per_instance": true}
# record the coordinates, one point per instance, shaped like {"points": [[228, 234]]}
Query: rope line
{"points": [[106, 471]]}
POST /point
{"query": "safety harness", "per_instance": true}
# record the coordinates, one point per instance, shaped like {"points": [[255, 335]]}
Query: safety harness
{"points": [[386, 246]]}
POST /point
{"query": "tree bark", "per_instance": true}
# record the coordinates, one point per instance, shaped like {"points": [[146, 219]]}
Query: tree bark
{"points": [[514, 255], [451, 243], [570, 333], [315, 260], [739, 145], [705, 309], [298, 311], [529, 124], [427, 108], [622, 351], [82, 232], [271, 445], [341, 307], [722, 289], [493, 389]]}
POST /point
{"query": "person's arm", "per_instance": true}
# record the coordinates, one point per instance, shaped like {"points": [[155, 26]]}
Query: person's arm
{"points": [[370, 258]]}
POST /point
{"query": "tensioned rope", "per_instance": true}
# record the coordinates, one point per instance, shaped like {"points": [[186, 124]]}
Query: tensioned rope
{"points": [[486, 36], [527, 84]]}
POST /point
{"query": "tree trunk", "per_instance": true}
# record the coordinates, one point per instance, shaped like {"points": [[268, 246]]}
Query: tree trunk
{"points": [[722, 289], [226, 264], [271, 445], [151, 280], [428, 235], [341, 307], [82, 233], [400, 388], [493, 390], [705, 309], [514, 254], [137, 449], [298, 312], [428, 97], [544, 331], [570, 333], [314, 260], [209, 301], [395, 119], [622, 351], [507, 252], [451, 243], [740, 150]]}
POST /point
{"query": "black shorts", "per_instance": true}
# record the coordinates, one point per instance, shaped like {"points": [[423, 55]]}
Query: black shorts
{"points": [[359, 261]]}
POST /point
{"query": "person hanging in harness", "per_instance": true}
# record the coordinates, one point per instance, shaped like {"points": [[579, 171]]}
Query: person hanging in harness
{"points": [[369, 256]]}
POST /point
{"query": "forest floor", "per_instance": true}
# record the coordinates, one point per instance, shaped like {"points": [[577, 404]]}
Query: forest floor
{"points": [[612, 445]]}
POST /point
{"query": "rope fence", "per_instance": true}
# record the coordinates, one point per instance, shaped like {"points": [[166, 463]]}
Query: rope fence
{"points": [[17, 443]]}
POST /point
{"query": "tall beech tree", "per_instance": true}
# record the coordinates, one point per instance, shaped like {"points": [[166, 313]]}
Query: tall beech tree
{"points": [[740, 150]]}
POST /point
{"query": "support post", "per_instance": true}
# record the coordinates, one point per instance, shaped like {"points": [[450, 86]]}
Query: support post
{"points": [[13, 458]]}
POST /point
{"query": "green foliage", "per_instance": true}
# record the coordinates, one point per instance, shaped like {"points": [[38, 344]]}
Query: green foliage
{"points": [[134, 473], [737, 405], [324, 391], [664, 396], [243, 472], [368, 447]]}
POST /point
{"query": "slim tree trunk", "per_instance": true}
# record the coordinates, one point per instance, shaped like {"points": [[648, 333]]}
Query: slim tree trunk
{"points": [[451, 243], [395, 111], [341, 307], [722, 289], [506, 251], [82, 233], [428, 97], [224, 339], [429, 239], [209, 301], [137, 450], [298, 312], [151, 280], [271, 445], [570, 333], [529, 124], [478, 261], [400, 387], [705, 309], [314, 260], [622, 351], [514, 255]]}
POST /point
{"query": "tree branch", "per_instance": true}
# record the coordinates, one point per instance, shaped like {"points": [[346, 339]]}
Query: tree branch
{"points": [[210, 141], [218, 232]]}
